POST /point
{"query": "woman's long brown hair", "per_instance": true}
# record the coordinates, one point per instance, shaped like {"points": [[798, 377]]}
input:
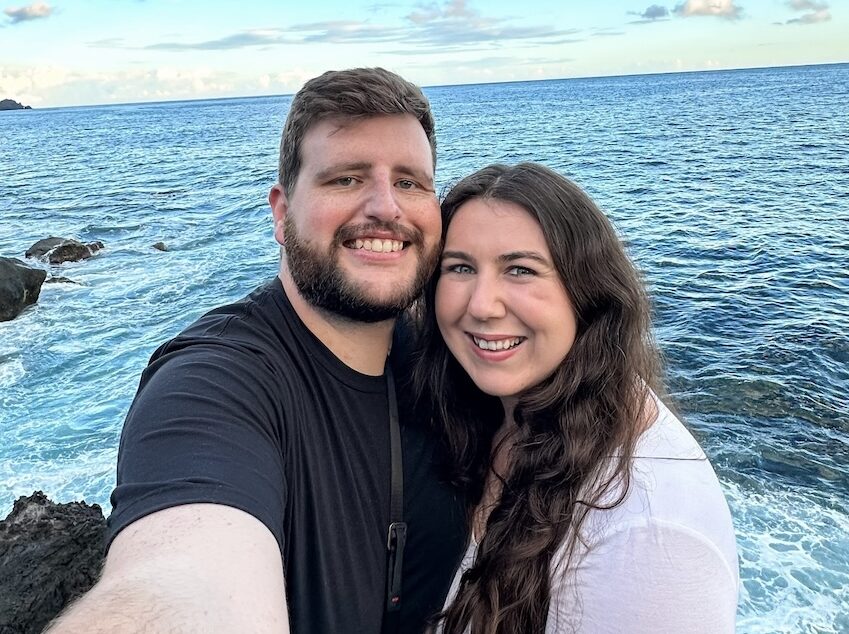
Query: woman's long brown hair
{"points": [[577, 429]]}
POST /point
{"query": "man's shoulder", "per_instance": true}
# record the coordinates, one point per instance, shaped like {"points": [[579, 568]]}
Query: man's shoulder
{"points": [[253, 314], [254, 321], [254, 330]]}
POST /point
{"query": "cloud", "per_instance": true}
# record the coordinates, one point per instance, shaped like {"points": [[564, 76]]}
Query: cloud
{"points": [[108, 42], [53, 85], [807, 5], [35, 11], [816, 12], [716, 8], [346, 31], [243, 39], [450, 25], [453, 23], [607, 33], [652, 13]]}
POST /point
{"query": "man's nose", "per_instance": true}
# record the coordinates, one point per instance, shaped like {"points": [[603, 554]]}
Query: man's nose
{"points": [[486, 301], [382, 203]]}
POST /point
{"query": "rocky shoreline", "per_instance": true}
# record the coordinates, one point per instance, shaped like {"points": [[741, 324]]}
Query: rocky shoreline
{"points": [[49, 554], [20, 283]]}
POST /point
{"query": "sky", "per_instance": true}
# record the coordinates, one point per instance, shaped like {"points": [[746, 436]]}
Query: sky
{"points": [[81, 52]]}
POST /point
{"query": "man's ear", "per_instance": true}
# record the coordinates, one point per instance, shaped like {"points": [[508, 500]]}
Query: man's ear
{"points": [[279, 208]]}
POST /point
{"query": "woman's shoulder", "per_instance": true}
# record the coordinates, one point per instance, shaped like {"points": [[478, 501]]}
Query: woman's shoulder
{"points": [[667, 552], [667, 438], [673, 488]]}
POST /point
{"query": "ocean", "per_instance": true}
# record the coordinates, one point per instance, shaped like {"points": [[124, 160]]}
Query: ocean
{"points": [[730, 188]]}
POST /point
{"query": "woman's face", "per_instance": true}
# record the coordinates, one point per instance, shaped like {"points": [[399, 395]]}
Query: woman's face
{"points": [[500, 304]]}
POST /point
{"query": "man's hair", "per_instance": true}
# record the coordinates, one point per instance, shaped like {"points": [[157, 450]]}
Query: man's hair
{"points": [[353, 94]]}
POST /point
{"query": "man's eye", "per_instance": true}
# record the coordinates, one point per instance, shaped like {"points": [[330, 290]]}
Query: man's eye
{"points": [[406, 184], [344, 181]]}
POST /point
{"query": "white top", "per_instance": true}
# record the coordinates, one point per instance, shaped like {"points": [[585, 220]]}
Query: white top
{"points": [[662, 562]]}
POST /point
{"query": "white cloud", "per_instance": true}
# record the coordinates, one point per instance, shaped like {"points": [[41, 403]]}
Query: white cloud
{"points": [[34, 11], [49, 85], [435, 26], [816, 12], [716, 8], [807, 5]]}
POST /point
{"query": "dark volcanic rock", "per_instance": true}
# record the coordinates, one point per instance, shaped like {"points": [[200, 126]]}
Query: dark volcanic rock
{"points": [[10, 104], [49, 554], [73, 251], [58, 279], [58, 250], [160, 246], [40, 248], [20, 286]]}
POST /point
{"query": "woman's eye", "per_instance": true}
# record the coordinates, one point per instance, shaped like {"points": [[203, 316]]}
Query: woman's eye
{"points": [[520, 271], [345, 181], [462, 269]]}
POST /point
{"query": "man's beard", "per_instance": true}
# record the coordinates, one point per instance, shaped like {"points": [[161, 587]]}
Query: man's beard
{"points": [[321, 281]]}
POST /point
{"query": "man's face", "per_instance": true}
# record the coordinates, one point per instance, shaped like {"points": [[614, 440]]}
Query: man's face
{"points": [[361, 227]]}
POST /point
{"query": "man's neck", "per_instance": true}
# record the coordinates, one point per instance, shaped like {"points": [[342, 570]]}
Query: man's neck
{"points": [[361, 346]]}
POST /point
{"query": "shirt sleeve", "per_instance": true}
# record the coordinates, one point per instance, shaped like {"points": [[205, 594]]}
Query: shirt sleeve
{"points": [[656, 578], [205, 427]]}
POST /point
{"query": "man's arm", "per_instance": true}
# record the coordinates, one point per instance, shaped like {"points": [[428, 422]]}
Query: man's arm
{"points": [[190, 568]]}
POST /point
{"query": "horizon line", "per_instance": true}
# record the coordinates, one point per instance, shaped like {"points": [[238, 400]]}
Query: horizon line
{"points": [[485, 83]]}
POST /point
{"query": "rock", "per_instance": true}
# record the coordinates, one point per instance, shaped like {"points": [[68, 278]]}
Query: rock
{"points": [[49, 554], [20, 286], [73, 251], [58, 279], [9, 104], [160, 246], [59, 250], [40, 248]]}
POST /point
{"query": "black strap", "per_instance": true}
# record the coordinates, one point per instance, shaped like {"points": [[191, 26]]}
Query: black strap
{"points": [[397, 535]]}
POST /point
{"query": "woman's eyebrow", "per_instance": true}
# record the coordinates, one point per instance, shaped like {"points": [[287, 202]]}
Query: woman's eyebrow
{"points": [[457, 255], [523, 255]]}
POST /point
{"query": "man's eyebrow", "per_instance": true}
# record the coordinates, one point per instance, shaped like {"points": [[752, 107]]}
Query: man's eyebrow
{"points": [[332, 170], [359, 166]]}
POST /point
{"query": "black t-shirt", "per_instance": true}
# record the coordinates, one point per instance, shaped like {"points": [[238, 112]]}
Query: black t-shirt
{"points": [[249, 409]]}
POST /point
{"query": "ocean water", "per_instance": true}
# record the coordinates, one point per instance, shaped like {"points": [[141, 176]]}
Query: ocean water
{"points": [[731, 189]]}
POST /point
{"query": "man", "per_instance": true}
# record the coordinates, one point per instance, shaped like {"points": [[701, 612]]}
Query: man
{"points": [[256, 454]]}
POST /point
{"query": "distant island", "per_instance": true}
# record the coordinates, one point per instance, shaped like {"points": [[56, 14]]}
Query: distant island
{"points": [[9, 104]]}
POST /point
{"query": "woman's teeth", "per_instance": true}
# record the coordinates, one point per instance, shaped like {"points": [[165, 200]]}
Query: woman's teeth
{"points": [[500, 344]]}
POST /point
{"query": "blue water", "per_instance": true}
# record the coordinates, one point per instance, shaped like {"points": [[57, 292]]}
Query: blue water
{"points": [[731, 189]]}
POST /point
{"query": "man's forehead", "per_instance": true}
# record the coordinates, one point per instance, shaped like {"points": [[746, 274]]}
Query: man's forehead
{"points": [[334, 124], [332, 133]]}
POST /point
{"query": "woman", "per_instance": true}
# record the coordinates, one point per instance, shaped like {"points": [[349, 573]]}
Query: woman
{"points": [[592, 508]]}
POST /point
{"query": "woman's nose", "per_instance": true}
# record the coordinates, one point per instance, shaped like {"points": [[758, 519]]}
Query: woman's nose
{"points": [[486, 301]]}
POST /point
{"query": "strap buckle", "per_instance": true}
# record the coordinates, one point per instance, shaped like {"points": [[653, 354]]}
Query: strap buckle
{"points": [[395, 542]]}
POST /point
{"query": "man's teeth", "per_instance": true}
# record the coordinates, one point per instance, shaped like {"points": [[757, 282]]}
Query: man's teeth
{"points": [[379, 246], [501, 344]]}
